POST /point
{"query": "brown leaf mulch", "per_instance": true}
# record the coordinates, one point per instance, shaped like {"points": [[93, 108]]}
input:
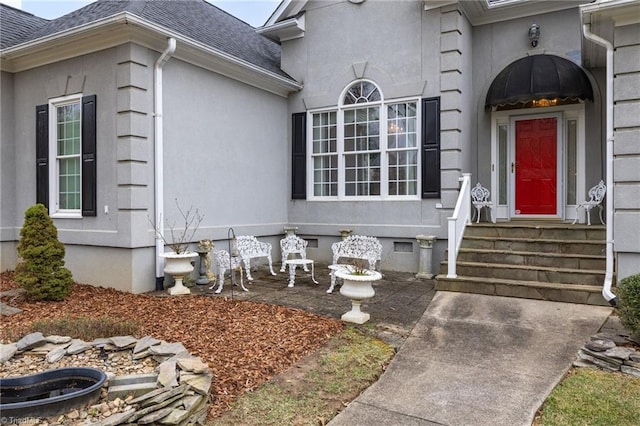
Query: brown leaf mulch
{"points": [[244, 343]]}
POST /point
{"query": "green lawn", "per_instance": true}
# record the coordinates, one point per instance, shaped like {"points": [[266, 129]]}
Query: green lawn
{"points": [[590, 397]]}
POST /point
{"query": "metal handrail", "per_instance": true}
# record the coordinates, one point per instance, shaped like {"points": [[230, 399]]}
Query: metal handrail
{"points": [[458, 222]]}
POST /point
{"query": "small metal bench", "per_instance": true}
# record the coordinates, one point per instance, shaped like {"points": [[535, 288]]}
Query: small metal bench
{"points": [[250, 248], [355, 247], [480, 200], [596, 195]]}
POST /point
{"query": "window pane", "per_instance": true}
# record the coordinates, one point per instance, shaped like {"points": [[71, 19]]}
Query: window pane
{"points": [[402, 143], [572, 160], [502, 164], [324, 154], [68, 148], [69, 183], [361, 92]]}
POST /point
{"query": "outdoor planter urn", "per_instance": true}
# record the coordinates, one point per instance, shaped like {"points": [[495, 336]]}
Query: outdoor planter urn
{"points": [[357, 287], [178, 265]]}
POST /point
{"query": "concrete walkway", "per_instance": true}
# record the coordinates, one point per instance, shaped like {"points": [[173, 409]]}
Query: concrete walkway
{"points": [[477, 360]]}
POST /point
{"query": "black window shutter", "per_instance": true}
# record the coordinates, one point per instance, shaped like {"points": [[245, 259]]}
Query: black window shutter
{"points": [[42, 155], [89, 202], [299, 156], [431, 148]]}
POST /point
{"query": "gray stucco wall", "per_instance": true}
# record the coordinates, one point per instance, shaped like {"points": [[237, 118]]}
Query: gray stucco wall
{"points": [[626, 94], [225, 152], [8, 185]]}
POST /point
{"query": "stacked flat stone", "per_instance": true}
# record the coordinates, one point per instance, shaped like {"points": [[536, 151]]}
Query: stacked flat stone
{"points": [[611, 352], [178, 382]]}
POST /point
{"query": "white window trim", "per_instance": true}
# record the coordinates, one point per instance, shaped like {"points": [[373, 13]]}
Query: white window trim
{"points": [[384, 162], [54, 211]]}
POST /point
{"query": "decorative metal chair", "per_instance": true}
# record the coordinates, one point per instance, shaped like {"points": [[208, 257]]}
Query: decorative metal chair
{"points": [[480, 199], [596, 195], [292, 244], [225, 262]]}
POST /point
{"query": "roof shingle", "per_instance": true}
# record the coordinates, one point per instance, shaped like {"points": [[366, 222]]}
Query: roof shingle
{"points": [[195, 19], [17, 26]]}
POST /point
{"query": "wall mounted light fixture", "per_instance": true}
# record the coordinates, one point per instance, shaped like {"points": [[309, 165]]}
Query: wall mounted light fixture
{"points": [[534, 34]]}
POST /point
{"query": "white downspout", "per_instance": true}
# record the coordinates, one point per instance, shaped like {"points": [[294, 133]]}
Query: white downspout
{"points": [[608, 279], [159, 151]]}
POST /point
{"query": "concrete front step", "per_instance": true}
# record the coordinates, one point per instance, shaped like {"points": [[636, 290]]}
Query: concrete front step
{"points": [[537, 230], [556, 292], [543, 274], [591, 247], [574, 261]]}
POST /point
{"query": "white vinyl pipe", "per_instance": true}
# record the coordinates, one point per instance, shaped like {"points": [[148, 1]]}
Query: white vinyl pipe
{"points": [[159, 152], [608, 279]]}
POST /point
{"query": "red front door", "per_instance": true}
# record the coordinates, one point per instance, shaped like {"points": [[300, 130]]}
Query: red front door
{"points": [[536, 167]]}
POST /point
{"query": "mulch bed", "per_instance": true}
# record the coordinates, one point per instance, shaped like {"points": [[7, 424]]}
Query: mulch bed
{"points": [[244, 343]]}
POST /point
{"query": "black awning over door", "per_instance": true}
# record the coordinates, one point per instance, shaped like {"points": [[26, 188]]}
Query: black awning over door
{"points": [[539, 77]]}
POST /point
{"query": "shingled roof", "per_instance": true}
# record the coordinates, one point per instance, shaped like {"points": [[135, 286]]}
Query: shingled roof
{"points": [[195, 19], [17, 26]]}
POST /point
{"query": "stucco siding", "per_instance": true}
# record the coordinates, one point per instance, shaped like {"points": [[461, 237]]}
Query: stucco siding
{"points": [[626, 123], [129, 270], [8, 183], [225, 152], [89, 74]]}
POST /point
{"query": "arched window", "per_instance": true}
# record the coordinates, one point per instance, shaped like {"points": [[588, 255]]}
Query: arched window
{"points": [[361, 92], [366, 146]]}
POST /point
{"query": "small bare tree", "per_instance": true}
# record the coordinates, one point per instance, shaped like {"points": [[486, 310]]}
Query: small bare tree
{"points": [[180, 237]]}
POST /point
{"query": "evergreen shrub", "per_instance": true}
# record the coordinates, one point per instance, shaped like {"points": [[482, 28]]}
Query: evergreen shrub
{"points": [[41, 271], [628, 294]]}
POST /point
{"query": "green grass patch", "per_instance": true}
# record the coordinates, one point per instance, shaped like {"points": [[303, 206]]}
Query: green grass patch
{"points": [[87, 329], [590, 397], [350, 363]]}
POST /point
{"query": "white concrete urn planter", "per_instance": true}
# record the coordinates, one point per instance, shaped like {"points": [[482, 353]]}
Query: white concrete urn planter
{"points": [[357, 287], [178, 265]]}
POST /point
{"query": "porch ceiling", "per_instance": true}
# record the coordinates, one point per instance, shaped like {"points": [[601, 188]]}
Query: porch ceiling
{"points": [[539, 77]]}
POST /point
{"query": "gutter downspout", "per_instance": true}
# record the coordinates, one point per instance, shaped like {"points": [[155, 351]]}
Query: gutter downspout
{"points": [[159, 165], [608, 279]]}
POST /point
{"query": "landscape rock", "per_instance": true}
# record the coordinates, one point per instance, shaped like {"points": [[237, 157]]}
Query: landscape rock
{"points": [[57, 340], [77, 346], [124, 342], [168, 376], [30, 340], [8, 310], [56, 354], [609, 351], [194, 365], [600, 345], [167, 349], [145, 343], [634, 371], [7, 351], [620, 352]]}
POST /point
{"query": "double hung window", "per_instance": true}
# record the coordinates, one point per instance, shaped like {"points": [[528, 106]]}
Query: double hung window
{"points": [[66, 156], [65, 175]]}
